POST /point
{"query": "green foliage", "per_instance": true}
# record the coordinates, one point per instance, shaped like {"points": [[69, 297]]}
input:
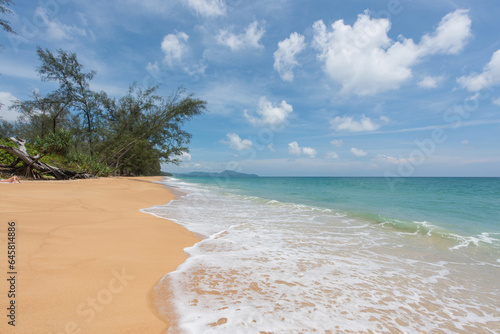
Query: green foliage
{"points": [[76, 128], [143, 129], [55, 142], [6, 158], [6, 129], [85, 163], [74, 88], [42, 115]]}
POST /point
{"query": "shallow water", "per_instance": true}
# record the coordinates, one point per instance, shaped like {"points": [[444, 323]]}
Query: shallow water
{"points": [[276, 259]]}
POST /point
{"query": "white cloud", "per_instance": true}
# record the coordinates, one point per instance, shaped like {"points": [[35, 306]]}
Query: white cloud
{"points": [[346, 123], [226, 96], [154, 71], [497, 101], [384, 119], [249, 39], [450, 36], [430, 81], [18, 70], [358, 152], [337, 142], [387, 160], [365, 61], [490, 75], [194, 69], [208, 7], [153, 68], [184, 157], [174, 46], [309, 151], [284, 57], [176, 50], [236, 143], [295, 149], [332, 155], [271, 147], [465, 142], [271, 115], [55, 29], [7, 100]]}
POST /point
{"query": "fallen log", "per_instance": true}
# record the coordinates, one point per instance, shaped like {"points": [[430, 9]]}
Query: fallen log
{"points": [[33, 163]]}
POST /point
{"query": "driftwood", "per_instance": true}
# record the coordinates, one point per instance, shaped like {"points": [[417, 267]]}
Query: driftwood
{"points": [[33, 163]]}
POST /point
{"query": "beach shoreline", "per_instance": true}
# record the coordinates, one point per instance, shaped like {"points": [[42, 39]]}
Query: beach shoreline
{"points": [[87, 259]]}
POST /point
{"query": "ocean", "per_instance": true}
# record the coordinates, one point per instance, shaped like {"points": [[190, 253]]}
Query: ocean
{"points": [[335, 255]]}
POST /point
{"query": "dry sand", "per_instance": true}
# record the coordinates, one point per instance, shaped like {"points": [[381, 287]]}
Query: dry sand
{"points": [[87, 259]]}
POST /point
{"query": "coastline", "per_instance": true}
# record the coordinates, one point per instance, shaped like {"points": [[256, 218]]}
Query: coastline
{"points": [[87, 258], [312, 268]]}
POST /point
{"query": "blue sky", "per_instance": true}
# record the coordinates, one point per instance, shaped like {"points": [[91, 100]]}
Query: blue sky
{"points": [[300, 88]]}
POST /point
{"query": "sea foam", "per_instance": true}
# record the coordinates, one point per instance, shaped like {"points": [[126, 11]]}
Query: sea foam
{"points": [[269, 266]]}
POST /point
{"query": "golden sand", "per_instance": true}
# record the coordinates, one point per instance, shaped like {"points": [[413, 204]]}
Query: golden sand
{"points": [[87, 259]]}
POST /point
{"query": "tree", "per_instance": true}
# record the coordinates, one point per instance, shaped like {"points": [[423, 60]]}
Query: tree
{"points": [[4, 10], [143, 127], [45, 114], [74, 88], [6, 129], [79, 128]]}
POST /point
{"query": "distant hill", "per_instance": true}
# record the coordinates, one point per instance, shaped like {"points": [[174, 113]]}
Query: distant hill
{"points": [[226, 173]]}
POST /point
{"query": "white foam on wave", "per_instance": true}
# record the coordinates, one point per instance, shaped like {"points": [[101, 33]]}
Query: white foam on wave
{"points": [[277, 267], [484, 237]]}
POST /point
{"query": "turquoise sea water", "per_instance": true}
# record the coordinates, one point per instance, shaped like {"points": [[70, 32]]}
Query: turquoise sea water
{"points": [[467, 206], [336, 255]]}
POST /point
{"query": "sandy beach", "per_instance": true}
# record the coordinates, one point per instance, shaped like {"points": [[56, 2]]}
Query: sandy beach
{"points": [[87, 259]]}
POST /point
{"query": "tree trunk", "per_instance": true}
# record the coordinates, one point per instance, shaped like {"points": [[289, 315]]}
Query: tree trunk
{"points": [[33, 163]]}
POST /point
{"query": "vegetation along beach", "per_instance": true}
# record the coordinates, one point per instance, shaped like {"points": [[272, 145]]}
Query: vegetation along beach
{"points": [[229, 166]]}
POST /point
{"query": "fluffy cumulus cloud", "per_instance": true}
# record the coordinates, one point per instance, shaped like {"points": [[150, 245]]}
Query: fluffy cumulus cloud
{"points": [[247, 40], [365, 61], [489, 77], [295, 149], [284, 57], [174, 46], [309, 151], [346, 123], [270, 114], [358, 152], [236, 143], [450, 36], [208, 8], [177, 53]]}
